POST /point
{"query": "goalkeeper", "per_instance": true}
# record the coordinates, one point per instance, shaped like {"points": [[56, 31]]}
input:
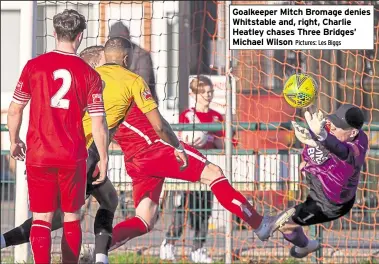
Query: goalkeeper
{"points": [[333, 157]]}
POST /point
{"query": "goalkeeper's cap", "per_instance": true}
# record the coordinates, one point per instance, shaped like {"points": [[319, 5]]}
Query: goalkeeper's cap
{"points": [[347, 116], [119, 29]]}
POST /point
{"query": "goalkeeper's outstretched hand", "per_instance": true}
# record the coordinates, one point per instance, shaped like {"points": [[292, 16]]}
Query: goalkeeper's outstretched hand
{"points": [[316, 123], [303, 135]]}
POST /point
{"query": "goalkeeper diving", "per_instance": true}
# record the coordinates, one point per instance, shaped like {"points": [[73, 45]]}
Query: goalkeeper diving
{"points": [[334, 153]]}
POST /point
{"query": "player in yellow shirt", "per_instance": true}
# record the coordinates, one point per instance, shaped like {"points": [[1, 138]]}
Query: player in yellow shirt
{"points": [[122, 89]]}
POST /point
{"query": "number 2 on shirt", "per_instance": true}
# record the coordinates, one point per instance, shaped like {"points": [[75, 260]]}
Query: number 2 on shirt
{"points": [[57, 100]]}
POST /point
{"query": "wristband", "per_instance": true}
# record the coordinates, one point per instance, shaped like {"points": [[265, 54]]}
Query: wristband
{"points": [[180, 148], [323, 135]]}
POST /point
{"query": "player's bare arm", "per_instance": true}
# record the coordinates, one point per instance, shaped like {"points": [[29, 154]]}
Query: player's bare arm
{"points": [[165, 132], [99, 125], [117, 51], [15, 112], [100, 134]]}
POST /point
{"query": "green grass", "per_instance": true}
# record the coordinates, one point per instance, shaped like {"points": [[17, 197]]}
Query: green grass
{"points": [[140, 259], [137, 259], [134, 258]]}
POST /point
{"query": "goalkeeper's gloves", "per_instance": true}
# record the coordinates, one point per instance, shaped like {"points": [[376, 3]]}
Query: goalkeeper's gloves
{"points": [[316, 123], [303, 135]]}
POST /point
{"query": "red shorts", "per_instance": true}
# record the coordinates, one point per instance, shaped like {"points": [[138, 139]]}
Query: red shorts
{"points": [[149, 168], [53, 188]]}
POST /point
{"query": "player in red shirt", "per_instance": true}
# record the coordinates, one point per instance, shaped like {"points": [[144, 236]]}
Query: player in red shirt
{"points": [[202, 89], [60, 87]]}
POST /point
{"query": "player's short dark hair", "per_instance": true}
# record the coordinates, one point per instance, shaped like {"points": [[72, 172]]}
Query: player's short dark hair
{"points": [[92, 55], [117, 43], [69, 24]]}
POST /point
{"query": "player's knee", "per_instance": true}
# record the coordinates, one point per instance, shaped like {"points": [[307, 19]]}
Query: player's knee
{"points": [[148, 210], [107, 196], [71, 217], [151, 219], [103, 221], [111, 202], [47, 217], [210, 173]]}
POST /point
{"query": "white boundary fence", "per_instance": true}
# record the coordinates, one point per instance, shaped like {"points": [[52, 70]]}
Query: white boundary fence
{"points": [[28, 18]]}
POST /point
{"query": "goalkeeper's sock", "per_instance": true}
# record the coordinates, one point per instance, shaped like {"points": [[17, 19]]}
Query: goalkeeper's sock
{"points": [[127, 230], [235, 202], [18, 235], [103, 234], [21, 234], [71, 242], [40, 240], [297, 237]]}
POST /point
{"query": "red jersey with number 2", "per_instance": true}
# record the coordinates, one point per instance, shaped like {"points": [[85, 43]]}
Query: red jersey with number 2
{"points": [[60, 87]]}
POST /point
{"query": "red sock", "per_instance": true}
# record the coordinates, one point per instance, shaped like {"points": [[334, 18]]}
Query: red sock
{"points": [[71, 241], [40, 239], [127, 230], [235, 202]]}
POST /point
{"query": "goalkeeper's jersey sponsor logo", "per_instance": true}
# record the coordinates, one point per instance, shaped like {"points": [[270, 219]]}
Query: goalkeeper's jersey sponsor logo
{"points": [[318, 154]]}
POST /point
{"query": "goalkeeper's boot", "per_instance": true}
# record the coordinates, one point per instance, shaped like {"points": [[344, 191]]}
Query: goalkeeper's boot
{"points": [[270, 224], [298, 252], [167, 251]]}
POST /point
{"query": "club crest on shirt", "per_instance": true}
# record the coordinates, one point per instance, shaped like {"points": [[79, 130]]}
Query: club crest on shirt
{"points": [[147, 94], [19, 85], [97, 98], [215, 119], [318, 154]]}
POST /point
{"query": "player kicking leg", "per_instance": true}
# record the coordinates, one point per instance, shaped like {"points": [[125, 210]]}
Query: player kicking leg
{"points": [[332, 165], [149, 160], [104, 192]]}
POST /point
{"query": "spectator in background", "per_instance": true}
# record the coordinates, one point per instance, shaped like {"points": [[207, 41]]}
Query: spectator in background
{"points": [[141, 59], [199, 202]]}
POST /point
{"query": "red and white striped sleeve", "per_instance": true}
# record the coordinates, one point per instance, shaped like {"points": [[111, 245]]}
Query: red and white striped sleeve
{"points": [[22, 92], [95, 103]]}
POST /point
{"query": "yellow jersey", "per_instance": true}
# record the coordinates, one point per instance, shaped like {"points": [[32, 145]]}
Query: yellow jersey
{"points": [[122, 88]]}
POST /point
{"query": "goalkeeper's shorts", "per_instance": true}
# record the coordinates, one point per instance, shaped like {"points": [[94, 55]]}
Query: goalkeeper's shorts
{"points": [[312, 211], [92, 160]]}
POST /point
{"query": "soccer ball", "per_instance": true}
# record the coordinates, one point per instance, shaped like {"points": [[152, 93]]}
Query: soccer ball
{"points": [[300, 90], [191, 137]]}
